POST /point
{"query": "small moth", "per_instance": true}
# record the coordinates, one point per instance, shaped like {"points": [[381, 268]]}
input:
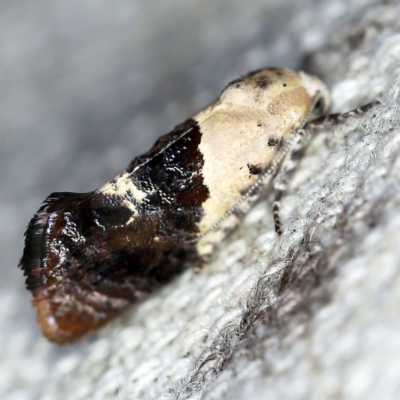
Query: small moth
{"points": [[89, 256]]}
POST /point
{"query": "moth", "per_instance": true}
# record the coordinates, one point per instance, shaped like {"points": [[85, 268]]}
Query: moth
{"points": [[90, 256]]}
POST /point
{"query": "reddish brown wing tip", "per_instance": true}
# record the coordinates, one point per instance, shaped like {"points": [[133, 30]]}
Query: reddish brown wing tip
{"points": [[67, 327], [48, 323]]}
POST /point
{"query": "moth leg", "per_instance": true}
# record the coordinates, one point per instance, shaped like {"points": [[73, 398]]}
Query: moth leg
{"points": [[291, 159], [286, 170], [334, 119]]}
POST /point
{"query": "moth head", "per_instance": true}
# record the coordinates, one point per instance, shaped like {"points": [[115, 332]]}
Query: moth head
{"points": [[318, 92], [278, 86]]}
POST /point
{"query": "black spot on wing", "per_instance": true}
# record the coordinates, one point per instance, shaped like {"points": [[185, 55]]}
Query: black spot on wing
{"points": [[254, 169], [272, 142], [263, 82]]}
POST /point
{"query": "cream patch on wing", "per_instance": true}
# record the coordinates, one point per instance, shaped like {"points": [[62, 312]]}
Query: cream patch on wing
{"points": [[236, 131], [229, 143], [121, 186]]}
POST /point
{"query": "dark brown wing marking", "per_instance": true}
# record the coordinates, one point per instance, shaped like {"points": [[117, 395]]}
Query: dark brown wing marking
{"points": [[86, 259]]}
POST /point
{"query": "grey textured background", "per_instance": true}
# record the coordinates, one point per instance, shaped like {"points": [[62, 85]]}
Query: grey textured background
{"points": [[87, 85]]}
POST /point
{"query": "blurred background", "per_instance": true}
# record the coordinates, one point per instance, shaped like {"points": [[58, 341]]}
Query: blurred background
{"points": [[87, 85]]}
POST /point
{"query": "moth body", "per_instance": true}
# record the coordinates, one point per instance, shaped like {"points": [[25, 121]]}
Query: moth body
{"points": [[89, 256]]}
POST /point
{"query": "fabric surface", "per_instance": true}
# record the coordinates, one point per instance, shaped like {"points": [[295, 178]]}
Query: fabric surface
{"points": [[314, 314]]}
